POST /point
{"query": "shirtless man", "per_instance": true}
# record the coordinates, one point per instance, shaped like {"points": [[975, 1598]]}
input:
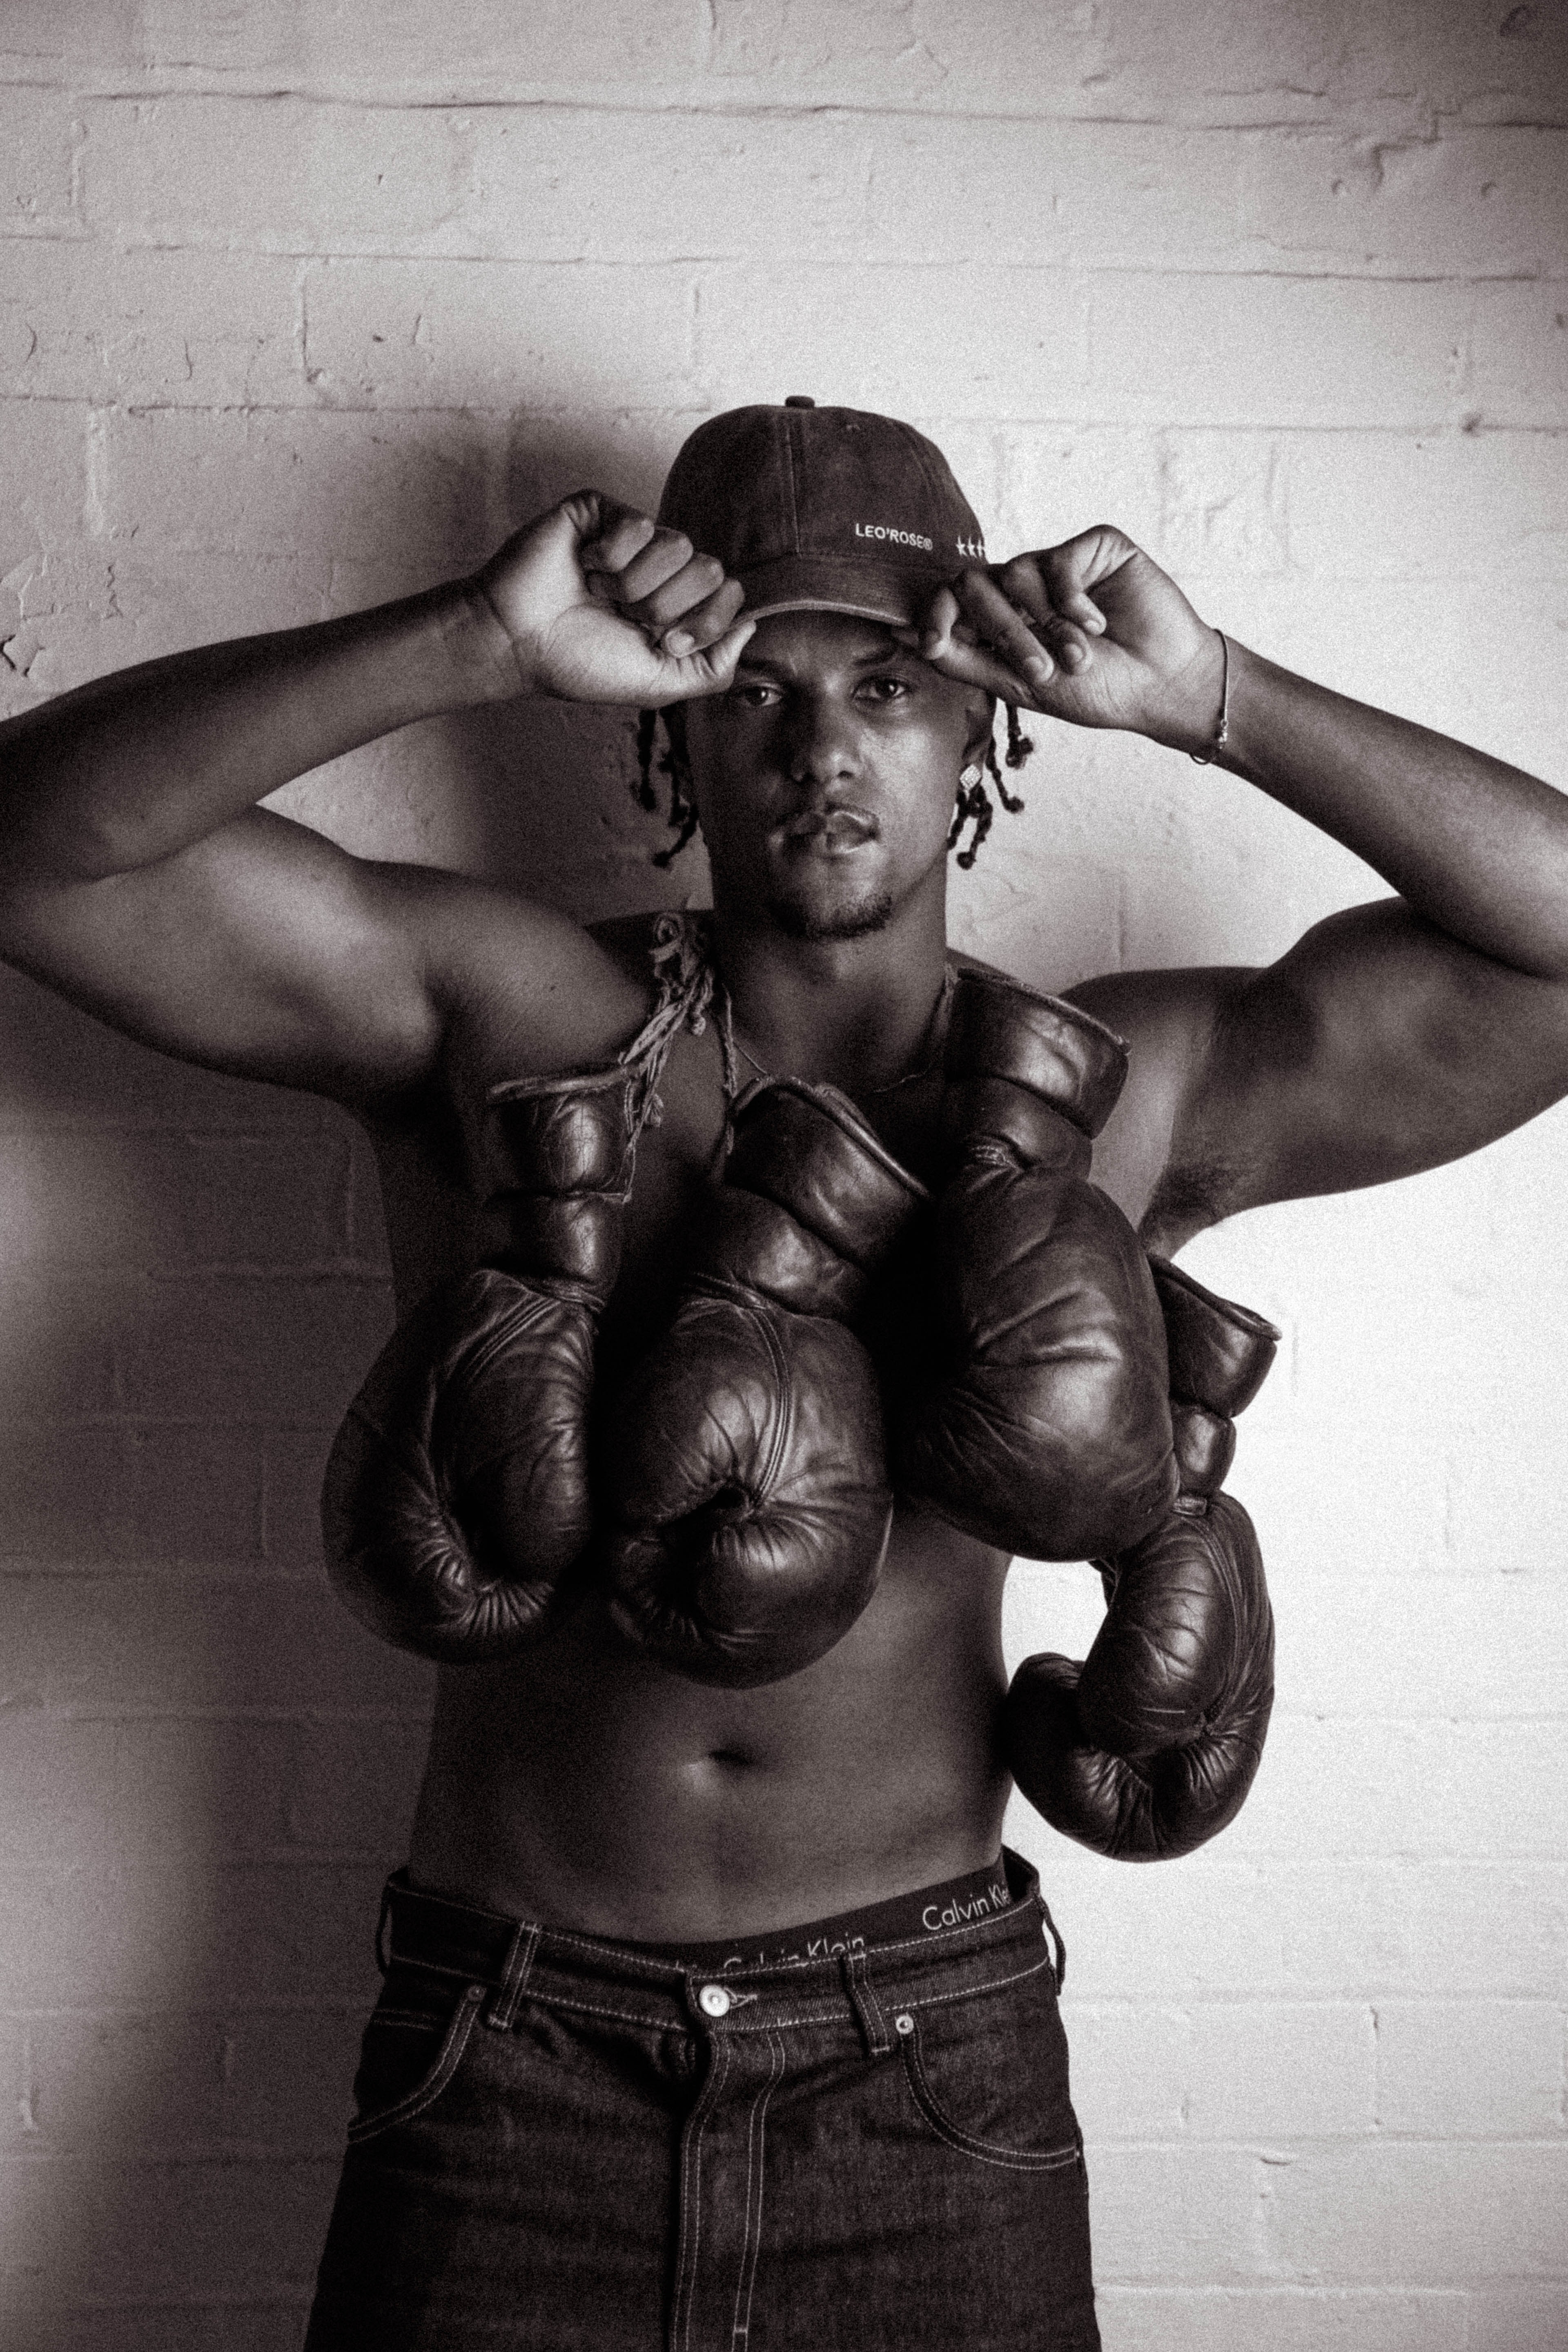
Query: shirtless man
{"points": [[858, 2133]]}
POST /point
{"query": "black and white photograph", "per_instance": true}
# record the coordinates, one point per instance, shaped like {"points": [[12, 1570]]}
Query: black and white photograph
{"points": [[784, 1278]]}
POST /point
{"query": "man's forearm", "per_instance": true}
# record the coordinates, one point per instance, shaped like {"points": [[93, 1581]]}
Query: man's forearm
{"points": [[1477, 846], [132, 767]]}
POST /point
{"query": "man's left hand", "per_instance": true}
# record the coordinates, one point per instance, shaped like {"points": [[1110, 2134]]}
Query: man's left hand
{"points": [[1091, 631]]}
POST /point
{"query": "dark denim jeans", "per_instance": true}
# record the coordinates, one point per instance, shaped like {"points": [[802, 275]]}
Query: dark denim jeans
{"points": [[569, 2144]]}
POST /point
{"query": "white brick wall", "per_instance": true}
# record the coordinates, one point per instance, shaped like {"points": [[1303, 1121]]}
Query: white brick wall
{"points": [[298, 307]]}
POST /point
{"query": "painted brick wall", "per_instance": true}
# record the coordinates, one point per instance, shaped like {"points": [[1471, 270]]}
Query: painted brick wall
{"points": [[300, 305]]}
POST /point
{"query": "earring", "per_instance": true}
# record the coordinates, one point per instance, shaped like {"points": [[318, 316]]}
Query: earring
{"points": [[969, 777]]}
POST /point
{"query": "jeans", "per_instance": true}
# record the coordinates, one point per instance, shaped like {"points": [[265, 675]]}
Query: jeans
{"points": [[573, 2144]]}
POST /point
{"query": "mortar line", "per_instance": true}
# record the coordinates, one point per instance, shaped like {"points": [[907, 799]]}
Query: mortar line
{"points": [[731, 107]]}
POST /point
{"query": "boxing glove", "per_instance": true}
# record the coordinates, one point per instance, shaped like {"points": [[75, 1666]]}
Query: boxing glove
{"points": [[744, 1482], [1149, 1749], [1038, 1418], [457, 1494]]}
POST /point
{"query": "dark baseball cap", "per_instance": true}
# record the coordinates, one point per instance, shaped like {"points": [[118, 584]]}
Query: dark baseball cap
{"points": [[822, 509]]}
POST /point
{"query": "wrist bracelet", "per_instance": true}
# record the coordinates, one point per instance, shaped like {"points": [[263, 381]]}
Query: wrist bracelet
{"points": [[1202, 759]]}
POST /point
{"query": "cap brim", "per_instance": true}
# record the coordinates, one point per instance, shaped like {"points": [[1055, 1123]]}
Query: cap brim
{"points": [[897, 593]]}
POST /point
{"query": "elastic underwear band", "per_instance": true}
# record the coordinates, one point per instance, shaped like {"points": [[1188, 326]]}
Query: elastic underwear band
{"points": [[929, 1911]]}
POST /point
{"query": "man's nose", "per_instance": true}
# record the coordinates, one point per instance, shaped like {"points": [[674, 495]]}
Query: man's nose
{"points": [[824, 742]]}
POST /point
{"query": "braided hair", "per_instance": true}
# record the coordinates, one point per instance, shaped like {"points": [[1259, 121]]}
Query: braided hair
{"points": [[671, 762], [973, 805]]}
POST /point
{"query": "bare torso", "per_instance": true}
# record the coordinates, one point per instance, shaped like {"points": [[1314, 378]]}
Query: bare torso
{"points": [[589, 1787], [138, 877]]}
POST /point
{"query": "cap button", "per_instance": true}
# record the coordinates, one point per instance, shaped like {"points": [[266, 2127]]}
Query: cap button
{"points": [[799, 400]]}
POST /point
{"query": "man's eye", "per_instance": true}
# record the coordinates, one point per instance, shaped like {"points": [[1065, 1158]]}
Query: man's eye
{"points": [[885, 689], [753, 695]]}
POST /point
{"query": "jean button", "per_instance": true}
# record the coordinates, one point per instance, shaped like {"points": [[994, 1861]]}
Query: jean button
{"points": [[713, 2001], [904, 2023]]}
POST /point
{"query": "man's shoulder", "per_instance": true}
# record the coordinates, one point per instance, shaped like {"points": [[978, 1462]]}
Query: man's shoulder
{"points": [[1166, 1017], [1169, 1020], [1163, 1014], [528, 988], [628, 941]]}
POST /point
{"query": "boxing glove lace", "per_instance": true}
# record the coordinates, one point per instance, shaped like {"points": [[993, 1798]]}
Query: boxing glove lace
{"points": [[1149, 1749], [457, 1494], [1039, 1421], [744, 1482]]}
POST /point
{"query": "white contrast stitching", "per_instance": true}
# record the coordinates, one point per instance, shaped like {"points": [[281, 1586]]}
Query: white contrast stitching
{"points": [[710, 2100], [425, 2092], [985, 2151], [740, 2333]]}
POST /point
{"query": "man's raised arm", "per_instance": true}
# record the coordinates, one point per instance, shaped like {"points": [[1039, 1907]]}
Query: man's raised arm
{"points": [[1392, 1036], [137, 875]]}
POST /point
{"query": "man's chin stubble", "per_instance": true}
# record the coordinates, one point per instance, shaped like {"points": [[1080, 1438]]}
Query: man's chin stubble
{"points": [[855, 921]]}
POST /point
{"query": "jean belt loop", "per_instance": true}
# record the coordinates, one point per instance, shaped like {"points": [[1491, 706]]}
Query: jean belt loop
{"points": [[862, 1994], [1061, 1949], [502, 2010], [384, 1928]]}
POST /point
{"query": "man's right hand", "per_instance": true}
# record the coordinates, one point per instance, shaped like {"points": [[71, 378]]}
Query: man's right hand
{"points": [[138, 877], [599, 604]]}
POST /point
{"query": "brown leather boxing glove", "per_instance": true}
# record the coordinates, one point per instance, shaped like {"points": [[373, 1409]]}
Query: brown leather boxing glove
{"points": [[456, 1495], [1149, 1749], [742, 1476], [1038, 1421]]}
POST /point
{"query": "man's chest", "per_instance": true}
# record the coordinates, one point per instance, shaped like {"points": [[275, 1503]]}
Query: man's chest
{"points": [[432, 1167]]}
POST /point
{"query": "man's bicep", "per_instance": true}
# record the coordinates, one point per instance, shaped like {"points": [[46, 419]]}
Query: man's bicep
{"points": [[268, 952], [263, 950], [1377, 1046]]}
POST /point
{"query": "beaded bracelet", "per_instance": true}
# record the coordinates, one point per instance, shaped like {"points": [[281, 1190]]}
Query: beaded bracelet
{"points": [[1202, 759]]}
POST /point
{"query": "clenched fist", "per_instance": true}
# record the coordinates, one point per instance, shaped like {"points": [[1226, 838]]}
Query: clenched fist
{"points": [[1091, 631], [599, 604]]}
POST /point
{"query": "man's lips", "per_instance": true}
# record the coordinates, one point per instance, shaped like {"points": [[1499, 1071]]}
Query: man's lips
{"points": [[831, 831]]}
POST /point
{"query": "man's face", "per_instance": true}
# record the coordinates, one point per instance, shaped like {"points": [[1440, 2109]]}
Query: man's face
{"points": [[824, 777]]}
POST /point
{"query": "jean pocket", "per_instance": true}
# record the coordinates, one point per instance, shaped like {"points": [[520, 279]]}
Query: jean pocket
{"points": [[406, 2060], [994, 2089]]}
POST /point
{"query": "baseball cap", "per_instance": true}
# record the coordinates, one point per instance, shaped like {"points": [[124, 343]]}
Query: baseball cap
{"points": [[822, 509]]}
